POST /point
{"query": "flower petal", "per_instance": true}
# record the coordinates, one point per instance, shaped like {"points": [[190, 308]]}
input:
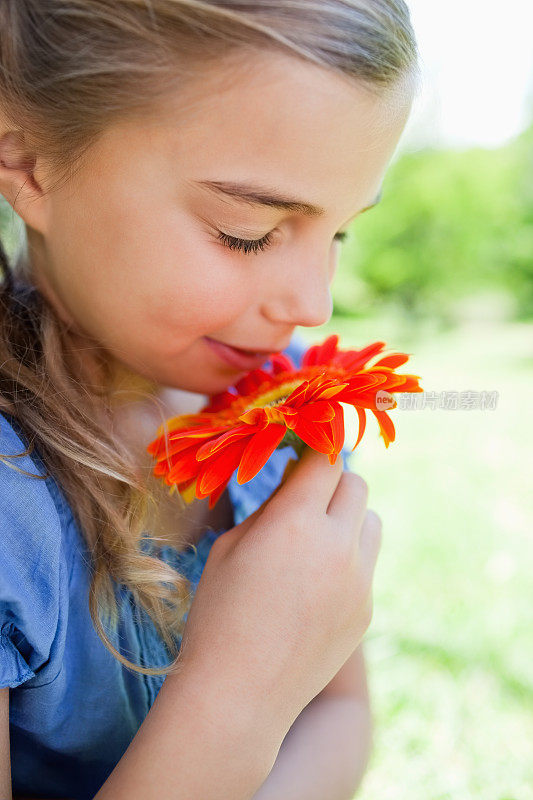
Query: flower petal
{"points": [[184, 467], [216, 470], [252, 381], [219, 442], [281, 363], [337, 428], [159, 445], [316, 436], [327, 350], [331, 391], [359, 394], [219, 401], [255, 416], [361, 413], [298, 395], [410, 384], [188, 491], [258, 451], [216, 495], [355, 359], [309, 357], [321, 411], [394, 361], [175, 445], [386, 426]]}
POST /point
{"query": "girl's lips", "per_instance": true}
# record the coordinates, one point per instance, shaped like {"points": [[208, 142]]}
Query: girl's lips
{"points": [[236, 358]]}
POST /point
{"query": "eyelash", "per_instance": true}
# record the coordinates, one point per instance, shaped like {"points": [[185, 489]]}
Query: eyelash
{"points": [[254, 245]]}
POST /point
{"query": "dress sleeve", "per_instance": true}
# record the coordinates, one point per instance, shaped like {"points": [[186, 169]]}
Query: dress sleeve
{"points": [[30, 547], [295, 351]]}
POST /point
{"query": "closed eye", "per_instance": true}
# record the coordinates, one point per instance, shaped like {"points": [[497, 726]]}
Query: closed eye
{"points": [[255, 245]]}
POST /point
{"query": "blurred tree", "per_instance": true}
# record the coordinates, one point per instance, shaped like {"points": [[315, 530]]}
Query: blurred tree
{"points": [[451, 224]]}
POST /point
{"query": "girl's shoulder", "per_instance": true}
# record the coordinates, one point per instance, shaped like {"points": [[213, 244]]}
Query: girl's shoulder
{"points": [[28, 500], [33, 565], [24, 483]]}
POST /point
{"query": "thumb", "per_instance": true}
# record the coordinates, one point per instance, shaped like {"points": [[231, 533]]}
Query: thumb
{"points": [[240, 530], [290, 466]]}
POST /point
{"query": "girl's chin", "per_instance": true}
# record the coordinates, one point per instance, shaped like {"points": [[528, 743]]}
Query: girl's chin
{"points": [[201, 372], [208, 385], [216, 387]]}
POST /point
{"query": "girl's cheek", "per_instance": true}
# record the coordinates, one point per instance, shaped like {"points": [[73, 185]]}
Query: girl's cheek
{"points": [[195, 302]]}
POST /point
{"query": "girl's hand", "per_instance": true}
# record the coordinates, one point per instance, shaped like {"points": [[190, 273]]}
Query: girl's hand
{"points": [[286, 596]]}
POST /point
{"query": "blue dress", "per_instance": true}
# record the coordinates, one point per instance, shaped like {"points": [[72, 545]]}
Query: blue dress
{"points": [[74, 708]]}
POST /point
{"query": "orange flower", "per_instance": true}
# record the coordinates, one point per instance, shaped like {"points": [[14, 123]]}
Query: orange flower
{"points": [[272, 409]]}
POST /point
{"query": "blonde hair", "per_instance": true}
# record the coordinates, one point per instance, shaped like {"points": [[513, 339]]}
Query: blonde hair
{"points": [[67, 71]]}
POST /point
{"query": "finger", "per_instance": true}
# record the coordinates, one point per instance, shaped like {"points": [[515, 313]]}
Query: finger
{"points": [[311, 482], [349, 501], [370, 539]]}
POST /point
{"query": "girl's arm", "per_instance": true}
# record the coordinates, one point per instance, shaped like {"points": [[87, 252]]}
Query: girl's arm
{"points": [[198, 742], [323, 755], [327, 749]]}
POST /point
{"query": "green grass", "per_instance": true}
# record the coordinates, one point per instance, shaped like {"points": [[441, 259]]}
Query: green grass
{"points": [[449, 650]]}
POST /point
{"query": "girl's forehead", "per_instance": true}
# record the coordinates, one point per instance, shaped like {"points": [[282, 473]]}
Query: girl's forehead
{"points": [[280, 103], [276, 85], [279, 122]]}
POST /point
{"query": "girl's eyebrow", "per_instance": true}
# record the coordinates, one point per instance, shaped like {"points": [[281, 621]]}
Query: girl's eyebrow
{"points": [[264, 196]]}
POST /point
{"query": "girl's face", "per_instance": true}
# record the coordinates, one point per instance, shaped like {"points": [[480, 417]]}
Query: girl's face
{"points": [[133, 251]]}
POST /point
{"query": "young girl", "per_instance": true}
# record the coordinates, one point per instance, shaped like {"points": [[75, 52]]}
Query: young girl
{"points": [[184, 170]]}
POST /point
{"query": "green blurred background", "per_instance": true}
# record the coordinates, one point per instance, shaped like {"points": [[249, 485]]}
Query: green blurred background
{"points": [[442, 269]]}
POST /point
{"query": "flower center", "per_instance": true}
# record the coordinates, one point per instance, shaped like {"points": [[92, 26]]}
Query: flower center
{"points": [[275, 397]]}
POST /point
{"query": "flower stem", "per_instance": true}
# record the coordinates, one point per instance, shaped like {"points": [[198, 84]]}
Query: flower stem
{"points": [[298, 446], [293, 440]]}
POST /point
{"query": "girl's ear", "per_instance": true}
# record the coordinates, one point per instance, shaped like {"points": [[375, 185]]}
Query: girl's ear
{"points": [[18, 181]]}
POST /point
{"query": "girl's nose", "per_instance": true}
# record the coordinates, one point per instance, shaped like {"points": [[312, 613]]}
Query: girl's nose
{"points": [[300, 293]]}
